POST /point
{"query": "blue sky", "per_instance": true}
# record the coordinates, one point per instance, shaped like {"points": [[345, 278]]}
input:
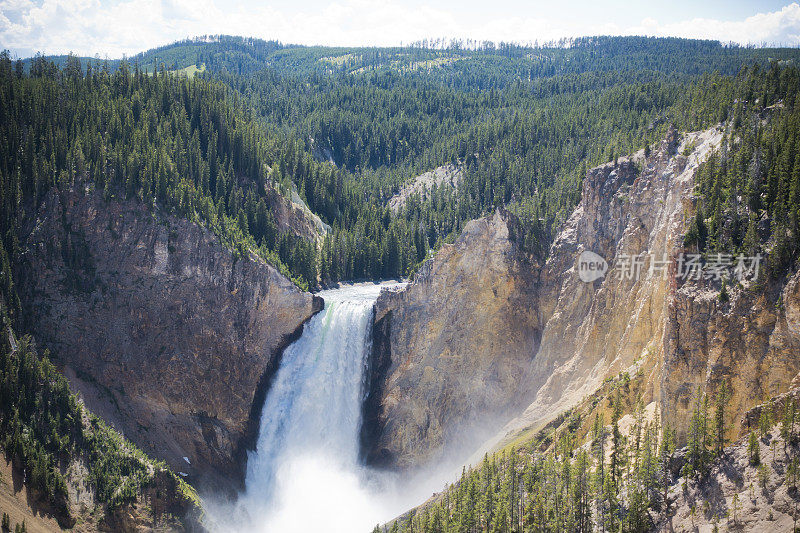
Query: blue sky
{"points": [[115, 27]]}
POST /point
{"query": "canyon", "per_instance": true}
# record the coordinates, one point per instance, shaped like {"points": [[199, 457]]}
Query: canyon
{"points": [[196, 240], [174, 340], [487, 329]]}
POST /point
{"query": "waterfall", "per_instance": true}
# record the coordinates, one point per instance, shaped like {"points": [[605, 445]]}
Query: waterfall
{"points": [[305, 466]]}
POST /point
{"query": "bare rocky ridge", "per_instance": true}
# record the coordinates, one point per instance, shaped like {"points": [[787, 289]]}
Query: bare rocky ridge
{"points": [[465, 321], [447, 175], [166, 333], [294, 216]]}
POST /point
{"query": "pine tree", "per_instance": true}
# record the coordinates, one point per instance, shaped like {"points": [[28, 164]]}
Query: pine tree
{"points": [[720, 401], [697, 435], [765, 419], [735, 506], [582, 493], [617, 442], [788, 431], [753, 451]]}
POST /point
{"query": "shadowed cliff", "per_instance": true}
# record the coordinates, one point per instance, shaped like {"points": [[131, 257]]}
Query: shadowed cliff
{"points": [[166, 333]]}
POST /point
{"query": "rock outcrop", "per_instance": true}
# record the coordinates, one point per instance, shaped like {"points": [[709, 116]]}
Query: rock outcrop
{"points": [[452, 346], [751, 341], [736, 495], [167, 334], [446, 176]]}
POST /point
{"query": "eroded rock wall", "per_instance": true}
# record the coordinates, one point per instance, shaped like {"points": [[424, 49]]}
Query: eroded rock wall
{"points": [[450, 350], [484, 330], [631, 214], [751, 342], [166, 333], [677, 330]]}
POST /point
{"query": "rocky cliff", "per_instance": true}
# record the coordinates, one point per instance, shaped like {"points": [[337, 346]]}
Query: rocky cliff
{"points": [[168, 335], [631, 214], [482, 330], [677, 329], [751, 341], [449, 352], [648, 314]]}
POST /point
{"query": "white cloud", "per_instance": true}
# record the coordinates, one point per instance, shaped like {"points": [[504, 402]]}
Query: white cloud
{"points": [[121, 27], [778, 27]]}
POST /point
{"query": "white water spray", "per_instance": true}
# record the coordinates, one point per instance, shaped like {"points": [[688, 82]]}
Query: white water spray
{"points": [[304, 474]]}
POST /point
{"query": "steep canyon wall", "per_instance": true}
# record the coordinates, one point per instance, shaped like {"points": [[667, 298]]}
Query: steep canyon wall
{"points": [[167, 334], [487, 333]]}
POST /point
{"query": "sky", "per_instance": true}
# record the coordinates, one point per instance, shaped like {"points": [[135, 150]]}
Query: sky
{"points": [[111, 28]]}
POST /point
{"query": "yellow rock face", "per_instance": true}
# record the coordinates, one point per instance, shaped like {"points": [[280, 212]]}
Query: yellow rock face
{"points": [[485, 335], [453, 346]]}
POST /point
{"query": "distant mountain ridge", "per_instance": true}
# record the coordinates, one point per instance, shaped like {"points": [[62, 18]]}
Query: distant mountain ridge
{"points": [[247, 55]]}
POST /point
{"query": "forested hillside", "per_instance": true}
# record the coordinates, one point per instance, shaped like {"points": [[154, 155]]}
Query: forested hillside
{"points": [[750, 190], [609, 465], [526, 145], [174, 144], [522, 122], [525, 141]]}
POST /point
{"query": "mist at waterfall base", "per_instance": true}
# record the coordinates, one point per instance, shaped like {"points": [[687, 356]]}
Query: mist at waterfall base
{"points": [[305, 473]]}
